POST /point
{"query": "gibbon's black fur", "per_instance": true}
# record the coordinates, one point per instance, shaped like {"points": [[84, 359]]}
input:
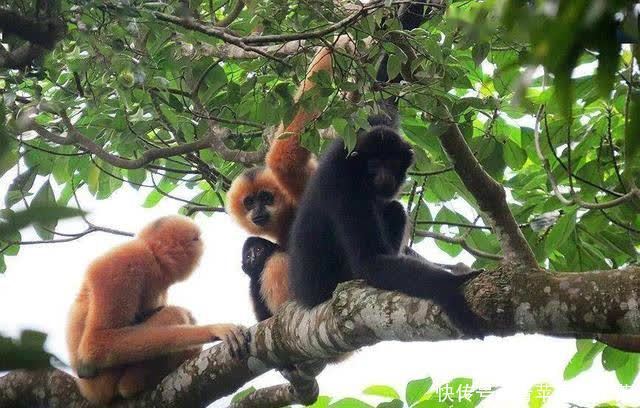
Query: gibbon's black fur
{"points": [[349, 226], [256, 252]]}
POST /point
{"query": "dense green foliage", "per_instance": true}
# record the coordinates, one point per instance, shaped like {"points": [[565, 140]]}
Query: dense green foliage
{"points": [[507, 72]]}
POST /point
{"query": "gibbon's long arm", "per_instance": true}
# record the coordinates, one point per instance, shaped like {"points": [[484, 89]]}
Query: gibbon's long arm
{"points": [[105, 343], [115, 287], [291, 163]]}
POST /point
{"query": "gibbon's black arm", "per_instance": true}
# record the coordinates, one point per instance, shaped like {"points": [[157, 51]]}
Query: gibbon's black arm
{"points": [[395, 220]]}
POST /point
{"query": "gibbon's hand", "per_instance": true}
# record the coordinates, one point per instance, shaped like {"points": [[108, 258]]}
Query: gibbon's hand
{"points": [[235, 336]]}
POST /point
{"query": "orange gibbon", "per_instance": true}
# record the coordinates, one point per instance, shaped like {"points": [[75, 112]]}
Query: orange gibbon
{"points": [[263, 200], [122, 336]]}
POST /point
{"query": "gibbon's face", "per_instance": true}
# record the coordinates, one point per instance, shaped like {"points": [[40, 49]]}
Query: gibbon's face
{"points": [[259, 206], [385, 158], [256, 202], [255, 253]]}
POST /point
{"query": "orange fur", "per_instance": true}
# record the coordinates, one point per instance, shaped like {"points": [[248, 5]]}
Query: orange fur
{"points": [[291, 163], [127, 281], [275, 281]]}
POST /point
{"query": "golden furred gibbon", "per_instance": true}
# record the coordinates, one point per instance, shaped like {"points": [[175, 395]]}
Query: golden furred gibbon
{"points": [[122, 336]]}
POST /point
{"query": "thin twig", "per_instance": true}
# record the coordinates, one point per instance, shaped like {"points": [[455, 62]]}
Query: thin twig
{"points": [[458, 241]]}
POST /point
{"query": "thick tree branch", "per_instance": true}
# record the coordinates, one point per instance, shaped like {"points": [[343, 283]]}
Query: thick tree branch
{"points": [[491, 198], [510, 301]]}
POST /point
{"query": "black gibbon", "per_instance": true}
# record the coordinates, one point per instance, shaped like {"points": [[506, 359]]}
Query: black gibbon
{"points": [[264, 200], [122, 336], [349, 226], [258, 255]]}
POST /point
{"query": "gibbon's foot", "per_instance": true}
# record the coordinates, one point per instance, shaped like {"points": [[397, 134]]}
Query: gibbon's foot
{"points": [[86, 370], [236, 337]]}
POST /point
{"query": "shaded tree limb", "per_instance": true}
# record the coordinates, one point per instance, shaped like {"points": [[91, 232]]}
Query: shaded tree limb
{"points": [[214, 139], [227, 51], [510, 301], [39, 34], [491, 198], [21, 56], [246, 43], [221, 33], [44, 32]]}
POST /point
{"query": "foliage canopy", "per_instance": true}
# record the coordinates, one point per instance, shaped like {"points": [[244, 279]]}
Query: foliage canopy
{"points": [[546, 94]]}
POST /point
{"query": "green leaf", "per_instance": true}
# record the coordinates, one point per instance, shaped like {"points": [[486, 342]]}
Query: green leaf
{"points": [[243, 393], [44, 198], [350, 403], [628, 372], [514, 155], [416, 389], [136, 177], [480, 52], [93, 179], [561, 231], [165, 186], [540, 394], [393, 66], [347, 132], [396, 403], [608, 57], [27, 352], [381, 391], [20, 187], [583, 359], [613, 358], [13, 222], [434, 49]]}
